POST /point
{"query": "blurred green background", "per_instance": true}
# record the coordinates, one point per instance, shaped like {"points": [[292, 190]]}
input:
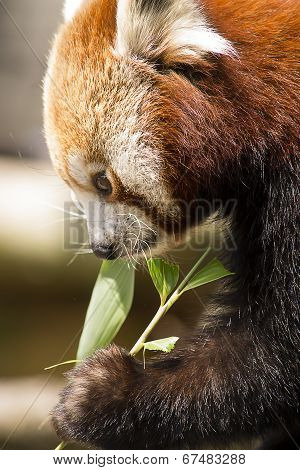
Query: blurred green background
{"points": [[43, 297]]}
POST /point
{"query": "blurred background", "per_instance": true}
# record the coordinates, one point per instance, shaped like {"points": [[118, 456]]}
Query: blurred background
{"points": [[45, 291]]}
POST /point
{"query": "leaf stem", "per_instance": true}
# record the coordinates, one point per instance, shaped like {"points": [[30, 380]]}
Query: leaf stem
{"points": [[158, 316], [192, 271], [73, 361], [164, 308]]}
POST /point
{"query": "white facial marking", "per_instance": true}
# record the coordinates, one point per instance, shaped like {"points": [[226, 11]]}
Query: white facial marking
{"points": [[179, 26], [70, 8], [78, 169]]}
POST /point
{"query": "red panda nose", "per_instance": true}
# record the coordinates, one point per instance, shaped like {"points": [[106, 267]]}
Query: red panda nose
{"points": [[105, 251]]}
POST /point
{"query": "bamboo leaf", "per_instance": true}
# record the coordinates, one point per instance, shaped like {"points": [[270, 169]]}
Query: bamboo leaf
{"points": [[213, 271], [166, 345], [164, 276], [109, 306]]}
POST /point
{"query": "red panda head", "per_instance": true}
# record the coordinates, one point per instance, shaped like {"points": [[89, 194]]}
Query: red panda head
{"points": [[125, 117]]}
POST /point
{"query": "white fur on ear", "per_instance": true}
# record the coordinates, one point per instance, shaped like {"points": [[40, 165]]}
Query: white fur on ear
{"points": [[70, 8], [154, 26]]}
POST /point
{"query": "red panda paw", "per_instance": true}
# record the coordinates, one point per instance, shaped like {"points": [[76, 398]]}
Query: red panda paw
{"points": [[94, 407]]}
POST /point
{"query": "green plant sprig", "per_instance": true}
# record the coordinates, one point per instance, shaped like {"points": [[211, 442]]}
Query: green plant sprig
{"points": [[110, 291], [211, 272]]}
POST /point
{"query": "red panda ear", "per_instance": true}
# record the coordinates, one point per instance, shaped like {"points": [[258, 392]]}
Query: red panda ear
{"points": [[70, 8], [172, 30]]}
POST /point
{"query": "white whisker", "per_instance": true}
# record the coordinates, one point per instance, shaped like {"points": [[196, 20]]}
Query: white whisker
{"points": [[132, 250], [56, 221], [75, 214], [149, 248], [149, 228]]}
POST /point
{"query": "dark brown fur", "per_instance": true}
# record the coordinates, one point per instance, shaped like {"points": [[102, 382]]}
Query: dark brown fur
{"points": [[228, 128]]}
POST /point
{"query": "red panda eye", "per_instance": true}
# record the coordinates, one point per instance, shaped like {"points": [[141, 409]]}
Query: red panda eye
{"points": [[102, 184]]}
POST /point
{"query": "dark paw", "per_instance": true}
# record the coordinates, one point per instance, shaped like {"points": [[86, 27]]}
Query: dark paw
{"points": [[94, 408]]}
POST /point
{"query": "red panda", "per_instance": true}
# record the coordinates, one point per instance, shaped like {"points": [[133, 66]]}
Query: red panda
{"points": [[152, 103]]}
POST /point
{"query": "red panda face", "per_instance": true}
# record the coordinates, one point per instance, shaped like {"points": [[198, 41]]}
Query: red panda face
{"points": [[121, 131]]}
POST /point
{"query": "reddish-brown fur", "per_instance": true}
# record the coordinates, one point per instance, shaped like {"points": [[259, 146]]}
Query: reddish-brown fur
{"points": [[83, 48], [225, 126], [242, 101]]}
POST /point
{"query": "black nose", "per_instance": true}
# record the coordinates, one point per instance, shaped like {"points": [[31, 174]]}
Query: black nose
{"points": [[104, 251]]}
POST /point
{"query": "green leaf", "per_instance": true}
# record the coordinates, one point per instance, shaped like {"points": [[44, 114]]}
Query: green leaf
{"points": [[109, 306], [166, 345], [164, 276], [61, 446], [73, 361], [213, 271]]}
